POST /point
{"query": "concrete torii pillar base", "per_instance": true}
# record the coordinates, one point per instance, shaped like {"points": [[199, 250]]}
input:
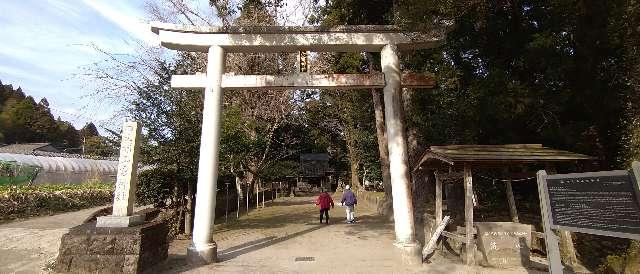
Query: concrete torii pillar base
{"points": [[202, 255], [411, 253]]}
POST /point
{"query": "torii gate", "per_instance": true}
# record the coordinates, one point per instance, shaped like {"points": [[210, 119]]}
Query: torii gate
{"points": [[219, 40]]}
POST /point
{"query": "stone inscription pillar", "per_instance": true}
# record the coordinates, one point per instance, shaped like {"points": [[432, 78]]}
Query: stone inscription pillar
{"points": [[398, 157], [203, 249], [124, 195], [127, 180]]}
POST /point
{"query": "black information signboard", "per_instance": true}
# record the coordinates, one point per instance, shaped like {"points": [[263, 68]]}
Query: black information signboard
{"points": [[604, 203]]}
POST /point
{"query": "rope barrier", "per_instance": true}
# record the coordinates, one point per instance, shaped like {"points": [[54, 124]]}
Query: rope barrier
{"points": [[507, 180], [493, 179]]}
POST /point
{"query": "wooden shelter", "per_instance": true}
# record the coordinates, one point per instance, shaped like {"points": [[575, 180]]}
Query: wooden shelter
{"points": [[465, 158]]}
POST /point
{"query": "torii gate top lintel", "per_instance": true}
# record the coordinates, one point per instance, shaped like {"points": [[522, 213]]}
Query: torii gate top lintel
{"points": [[346, 38]]}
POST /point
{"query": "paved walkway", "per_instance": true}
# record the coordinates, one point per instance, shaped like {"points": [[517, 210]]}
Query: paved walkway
{"points": [[285, 237], [27, 246]]}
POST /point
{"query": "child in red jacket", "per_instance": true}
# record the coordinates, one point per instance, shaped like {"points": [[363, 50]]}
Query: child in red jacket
{"points": [[326, 203]]}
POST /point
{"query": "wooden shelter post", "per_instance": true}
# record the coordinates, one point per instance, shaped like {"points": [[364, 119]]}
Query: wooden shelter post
{"points": [[513, 210], [203, 249], [468, 216], [398, 157], [438, 209]]}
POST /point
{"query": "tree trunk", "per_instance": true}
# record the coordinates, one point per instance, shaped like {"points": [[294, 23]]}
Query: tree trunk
{"points": [[386, 208], [632, 148], [249, 179], [421, 186], [354, 163], [179, 205], [188, 223], [239, 188]]}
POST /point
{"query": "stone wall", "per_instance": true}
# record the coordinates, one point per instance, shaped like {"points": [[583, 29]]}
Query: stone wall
{"points": [[369, 199], [88, 249]]}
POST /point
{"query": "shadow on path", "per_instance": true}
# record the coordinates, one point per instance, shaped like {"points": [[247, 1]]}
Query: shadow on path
{"points": [[251, 246], [291, 203], [272, 220], [371, 223], [177, 263]]}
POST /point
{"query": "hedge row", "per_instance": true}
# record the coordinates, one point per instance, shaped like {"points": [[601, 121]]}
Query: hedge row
{"points": [[28, 201]]}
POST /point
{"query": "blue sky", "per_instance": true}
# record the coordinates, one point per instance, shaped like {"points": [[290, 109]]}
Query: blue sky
{"points": [[45, 42]]}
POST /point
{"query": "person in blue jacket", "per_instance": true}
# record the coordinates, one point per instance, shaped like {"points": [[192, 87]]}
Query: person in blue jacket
{"points": [[349, 201]]}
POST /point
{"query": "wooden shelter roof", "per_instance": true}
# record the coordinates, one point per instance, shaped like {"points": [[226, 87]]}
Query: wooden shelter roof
{"points": [[494, 154]]}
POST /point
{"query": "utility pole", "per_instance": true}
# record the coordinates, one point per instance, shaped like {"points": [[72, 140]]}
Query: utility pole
{"points": [[238, 198], [226, 208], [247, 197]]}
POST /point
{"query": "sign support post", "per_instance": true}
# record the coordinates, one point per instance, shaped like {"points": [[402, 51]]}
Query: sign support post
{"points": [[551, 240], [635, 168]]}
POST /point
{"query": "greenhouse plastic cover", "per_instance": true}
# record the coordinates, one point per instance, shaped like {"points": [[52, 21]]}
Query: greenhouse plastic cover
{"points": [[62, 164]]}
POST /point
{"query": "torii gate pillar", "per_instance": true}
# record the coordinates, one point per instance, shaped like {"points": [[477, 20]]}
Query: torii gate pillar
{"points": [[203, 249], [398, 159]]}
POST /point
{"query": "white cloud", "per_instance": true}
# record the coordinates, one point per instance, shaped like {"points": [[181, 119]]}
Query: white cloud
{"points": [[126, 18], [14, 72]]}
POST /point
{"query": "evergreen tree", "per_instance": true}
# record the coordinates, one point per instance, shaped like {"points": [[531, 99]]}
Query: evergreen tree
{"points": [[22, 120]]}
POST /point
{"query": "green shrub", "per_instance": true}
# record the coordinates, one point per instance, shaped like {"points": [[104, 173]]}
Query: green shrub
{"points": [[155, 186], [55, 187], [613, 264], [21, 201]]}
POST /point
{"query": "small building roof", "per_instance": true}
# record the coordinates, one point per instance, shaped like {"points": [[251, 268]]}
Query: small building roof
{"points": [[493, 154], [27, 148], [314, 157], [314, 164]]}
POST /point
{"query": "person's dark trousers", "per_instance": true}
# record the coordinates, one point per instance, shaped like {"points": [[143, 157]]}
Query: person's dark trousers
{"points": [[326, 214]]}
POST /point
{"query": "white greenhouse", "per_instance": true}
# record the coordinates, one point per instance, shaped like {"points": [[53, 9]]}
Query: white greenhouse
{"points": [[57, 170]]}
